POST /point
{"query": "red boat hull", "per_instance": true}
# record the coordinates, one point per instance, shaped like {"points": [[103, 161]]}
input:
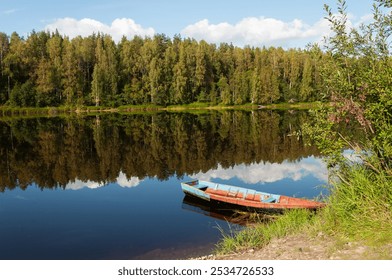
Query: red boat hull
{"points": [[285, 202]]}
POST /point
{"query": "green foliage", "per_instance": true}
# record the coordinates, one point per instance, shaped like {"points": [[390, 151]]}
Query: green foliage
{"points": [[357, 77], [360, 206], [224, 91], [104, 82], [96, 71], [23, 95], [356, 74]]}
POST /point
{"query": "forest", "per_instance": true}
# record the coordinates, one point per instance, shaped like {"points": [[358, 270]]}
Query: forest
{"points": [[48, 69]]}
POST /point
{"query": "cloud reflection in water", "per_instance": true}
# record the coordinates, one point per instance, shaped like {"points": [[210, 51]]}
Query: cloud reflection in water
{"points": [[256, 173], [121, 180], [269, 172]]}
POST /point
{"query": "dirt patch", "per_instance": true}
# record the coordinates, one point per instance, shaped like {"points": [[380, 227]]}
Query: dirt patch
{"points": [[305, 247]]}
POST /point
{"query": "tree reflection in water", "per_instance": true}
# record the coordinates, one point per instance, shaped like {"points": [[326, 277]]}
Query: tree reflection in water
{"points": [[59, 152]]}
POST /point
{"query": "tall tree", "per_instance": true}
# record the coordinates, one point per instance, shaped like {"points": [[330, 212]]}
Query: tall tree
{"points": [[15, 68], [224, 90], [48, 73], [85, 49], [104, 83], [306, 81], [72, 75], [180, 81], [201, 70], [131, 70], [157, 80]]}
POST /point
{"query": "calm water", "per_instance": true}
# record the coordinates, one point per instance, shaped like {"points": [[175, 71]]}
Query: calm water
{"points": [[108, 186]]}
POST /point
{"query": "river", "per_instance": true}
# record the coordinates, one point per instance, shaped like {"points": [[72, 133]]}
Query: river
{"points": [[107, 186]]}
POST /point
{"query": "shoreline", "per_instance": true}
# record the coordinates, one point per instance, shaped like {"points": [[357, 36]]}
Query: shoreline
{"points": [[6, 111], [305, 246]]}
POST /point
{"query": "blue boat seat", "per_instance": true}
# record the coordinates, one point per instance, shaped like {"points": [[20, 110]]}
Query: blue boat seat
{"points": [[269, 200]]}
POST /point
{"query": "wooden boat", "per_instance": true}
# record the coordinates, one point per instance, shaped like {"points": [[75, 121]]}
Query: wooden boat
{"points": [[245, 197]]}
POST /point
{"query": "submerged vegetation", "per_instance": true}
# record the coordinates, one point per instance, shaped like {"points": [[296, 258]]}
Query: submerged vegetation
{"points": [[357, 74]]}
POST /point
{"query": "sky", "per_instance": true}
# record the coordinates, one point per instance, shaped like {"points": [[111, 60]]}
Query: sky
{"points": [[285, 23]]}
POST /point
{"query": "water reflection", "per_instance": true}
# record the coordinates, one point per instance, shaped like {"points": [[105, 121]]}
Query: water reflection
{"points": [[267, 172], [256, 173], [121, 180], [127, 171], [210, 210], [95, 150]]}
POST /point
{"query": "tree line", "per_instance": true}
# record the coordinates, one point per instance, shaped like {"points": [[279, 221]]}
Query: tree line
{"points": [[48, 69]]}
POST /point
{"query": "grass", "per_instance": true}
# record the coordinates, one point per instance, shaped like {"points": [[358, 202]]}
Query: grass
{"points": [[262, 233], [296, 106], [359, 210], [141, 107], [360, 207], [194, 105]]}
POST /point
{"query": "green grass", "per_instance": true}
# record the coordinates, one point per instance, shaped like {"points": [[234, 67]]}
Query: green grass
{"points": [[296, 106], [141, 107], [196, 105], [261, 234], [360, 206]]}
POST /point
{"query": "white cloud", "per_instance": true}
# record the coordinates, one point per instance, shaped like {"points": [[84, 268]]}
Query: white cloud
{"points": [[269, 172], [119, 27], [258, 32]]}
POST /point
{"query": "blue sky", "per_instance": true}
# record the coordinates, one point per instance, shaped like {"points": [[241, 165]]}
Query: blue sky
{"points": [[281, 22]]}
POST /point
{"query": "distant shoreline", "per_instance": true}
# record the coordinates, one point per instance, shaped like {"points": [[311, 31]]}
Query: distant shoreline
{"points": [[8, 111]]}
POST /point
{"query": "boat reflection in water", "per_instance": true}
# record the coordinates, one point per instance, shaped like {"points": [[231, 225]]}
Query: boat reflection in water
{"points": [[225, 212]]}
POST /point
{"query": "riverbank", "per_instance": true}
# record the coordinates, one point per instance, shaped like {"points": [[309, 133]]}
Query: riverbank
{"points": [[304, 246], [355, 224]]}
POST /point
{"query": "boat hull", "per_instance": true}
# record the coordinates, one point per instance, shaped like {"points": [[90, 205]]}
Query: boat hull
{"points": [[209, 191]]}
